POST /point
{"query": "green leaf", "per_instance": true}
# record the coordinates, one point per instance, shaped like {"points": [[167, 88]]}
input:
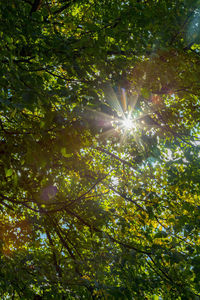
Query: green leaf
{"points": [[8, 172], [65, 154]]}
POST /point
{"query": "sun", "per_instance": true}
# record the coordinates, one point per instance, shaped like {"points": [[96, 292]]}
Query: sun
{"points": [[128, 123]]}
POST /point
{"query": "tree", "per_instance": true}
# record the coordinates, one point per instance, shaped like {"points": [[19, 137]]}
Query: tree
{"points": [[93, 208]]}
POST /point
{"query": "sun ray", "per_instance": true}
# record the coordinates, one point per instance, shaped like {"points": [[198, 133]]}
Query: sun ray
{"points": [[108, 132], [113, 100], [100, 114], [133, 101], [123, 137]]}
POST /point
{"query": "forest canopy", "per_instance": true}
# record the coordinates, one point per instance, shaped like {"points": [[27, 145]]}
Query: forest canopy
{"points": [[99, 144]]}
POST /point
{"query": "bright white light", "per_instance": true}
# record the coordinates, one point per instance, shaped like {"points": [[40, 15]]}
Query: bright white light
{"points": [[128, 123]]}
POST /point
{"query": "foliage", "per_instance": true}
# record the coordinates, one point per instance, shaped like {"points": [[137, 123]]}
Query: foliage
{"points": [[89, 208]]}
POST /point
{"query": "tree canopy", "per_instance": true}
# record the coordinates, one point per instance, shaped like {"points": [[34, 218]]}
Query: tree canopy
{"points": [[99, 144]]}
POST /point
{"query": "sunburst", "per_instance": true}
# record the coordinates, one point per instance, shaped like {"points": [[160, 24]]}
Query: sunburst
{"points": [[124, 119]]}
